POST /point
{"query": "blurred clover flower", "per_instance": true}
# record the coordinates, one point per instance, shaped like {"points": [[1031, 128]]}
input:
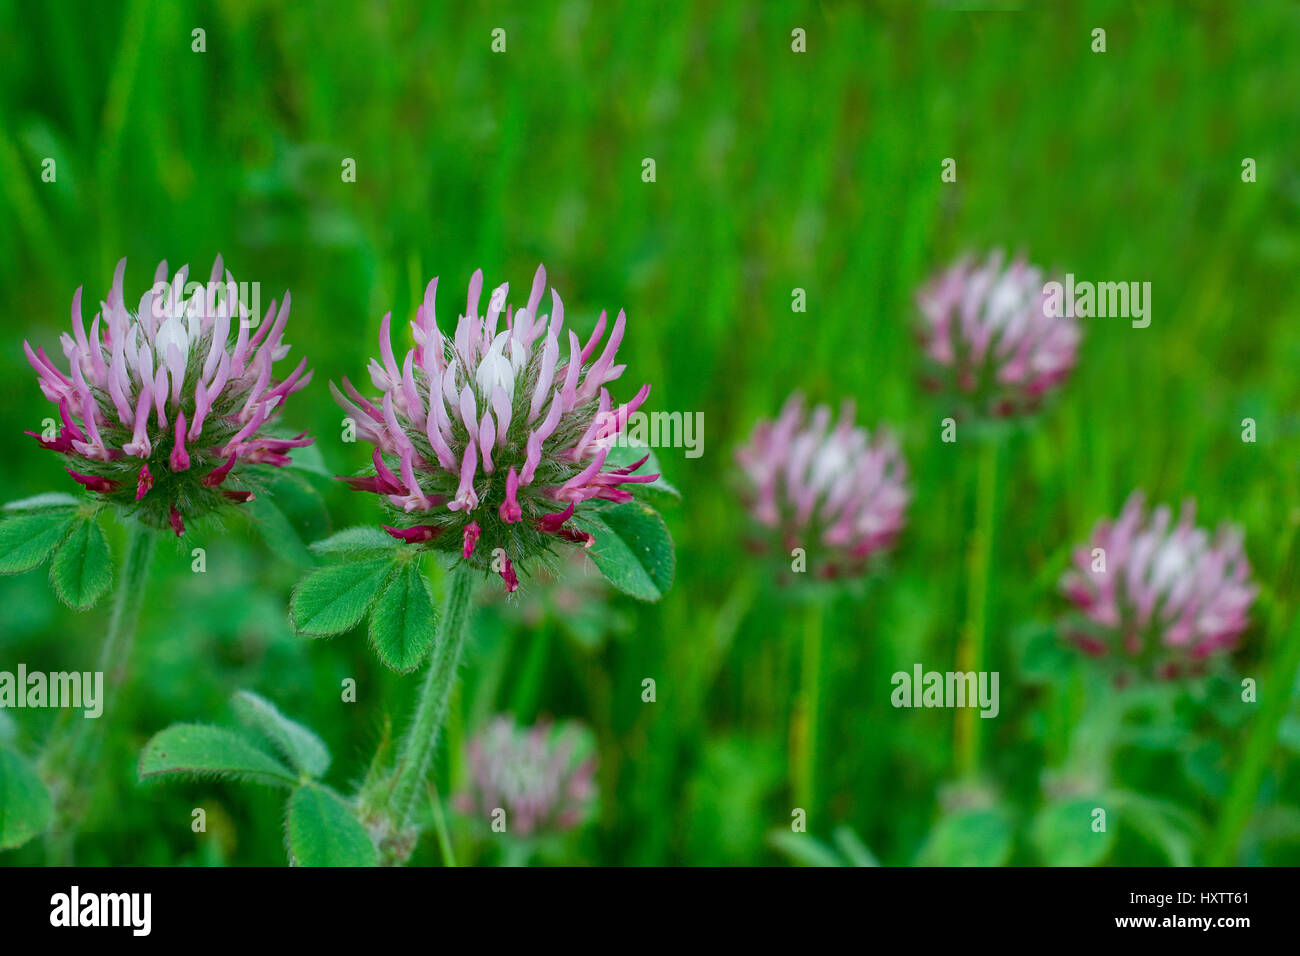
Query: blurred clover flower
{"points": [[542, 776], [1163, 594], [833, 490], [990, 339], [488, 443], [159, 412]]}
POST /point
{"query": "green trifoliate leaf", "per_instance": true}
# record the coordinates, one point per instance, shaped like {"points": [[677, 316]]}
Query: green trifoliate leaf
{"points": [[335, 599], [633, 549], [402, 622], [82, 569], [196, 750], [24, 803], [27, 538], [322, 830], [303, 749], [361, 541]]}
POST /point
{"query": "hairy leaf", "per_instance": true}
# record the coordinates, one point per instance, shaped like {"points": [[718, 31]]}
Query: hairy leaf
{"points": [[197, 750], [322, 830], [24, 803], [299, 745], [334, 599], [82, 570], [27, 538], [403, 619], [633, 549]]}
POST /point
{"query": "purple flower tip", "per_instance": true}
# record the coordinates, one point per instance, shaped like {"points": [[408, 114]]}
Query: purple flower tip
{"points": [[177, 522], [416, 534], [93, 482], [143, 482]]}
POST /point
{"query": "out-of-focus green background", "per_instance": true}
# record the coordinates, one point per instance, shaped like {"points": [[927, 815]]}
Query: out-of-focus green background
{"points": [[776, 170]]}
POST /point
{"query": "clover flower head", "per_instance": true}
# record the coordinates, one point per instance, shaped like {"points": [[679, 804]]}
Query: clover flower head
{"points": [[991, 339], [159, 412], [542, 776], [1161, 594], [487, 443], [830, 488]]}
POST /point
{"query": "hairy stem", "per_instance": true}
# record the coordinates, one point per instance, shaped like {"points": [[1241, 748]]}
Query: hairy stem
{"points": [[69, 761], [422, 736]]}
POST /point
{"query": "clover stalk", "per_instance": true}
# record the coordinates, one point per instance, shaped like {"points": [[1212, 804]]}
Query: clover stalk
{"points": [[68, 759], [435, 696]]}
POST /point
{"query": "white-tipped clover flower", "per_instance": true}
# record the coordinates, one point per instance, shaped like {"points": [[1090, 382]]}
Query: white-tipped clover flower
{"points": [[1164, 595], [160, 411], [832, 489], [991, 339], [488, 442], [543, 776]]}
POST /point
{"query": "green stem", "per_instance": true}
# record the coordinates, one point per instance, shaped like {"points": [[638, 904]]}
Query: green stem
{"points": [[422, 736], [69, 760], [1240, 802], [440, 827], [810, 700], [1275, 699], [972, 648]]}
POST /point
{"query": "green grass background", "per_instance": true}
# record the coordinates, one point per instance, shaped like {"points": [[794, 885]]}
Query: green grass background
{"points": [[775, 170]]}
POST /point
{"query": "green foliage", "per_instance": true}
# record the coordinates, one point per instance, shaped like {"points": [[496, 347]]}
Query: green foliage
{"points": [[633, 549], [288, 514], [403, 620], [82, 569], [807, 850], [49, 501], [391, 588], [334, 599], [969, 838], [24, 804], [362, 541], [1116, 166], [196, 750], [1063, 834], [322, 830], [305, 751], [29, 537]]}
